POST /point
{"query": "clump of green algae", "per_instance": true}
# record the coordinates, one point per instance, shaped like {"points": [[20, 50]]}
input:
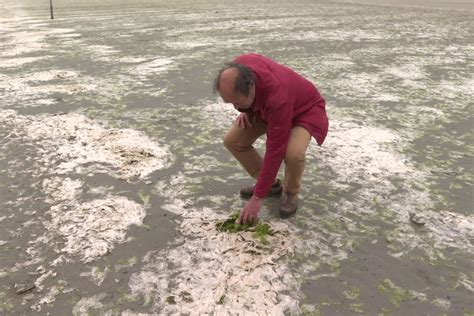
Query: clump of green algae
{"points": [[260, 231], [5, 303], [398, 294]]}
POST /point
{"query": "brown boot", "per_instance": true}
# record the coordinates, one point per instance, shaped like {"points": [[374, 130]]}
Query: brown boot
{"points": [[275, 190], [289, 205]]}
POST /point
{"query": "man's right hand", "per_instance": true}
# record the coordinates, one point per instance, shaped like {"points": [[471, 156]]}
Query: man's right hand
{"points": [[243, 120]]}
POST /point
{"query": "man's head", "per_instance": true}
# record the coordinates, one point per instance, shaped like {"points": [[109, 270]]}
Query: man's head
{"points": [[236, 84]]}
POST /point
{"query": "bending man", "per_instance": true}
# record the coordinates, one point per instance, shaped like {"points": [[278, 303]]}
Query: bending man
{"points": [[276, 101]]}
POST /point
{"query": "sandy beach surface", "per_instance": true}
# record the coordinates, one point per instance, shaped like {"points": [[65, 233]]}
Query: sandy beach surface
{"points": [[113, 174]]}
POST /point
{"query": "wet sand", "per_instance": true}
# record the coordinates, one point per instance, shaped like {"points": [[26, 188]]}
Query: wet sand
{"points": [[113, 173]]}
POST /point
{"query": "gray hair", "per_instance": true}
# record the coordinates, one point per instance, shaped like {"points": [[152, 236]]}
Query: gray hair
{"points": [[245, 78]]}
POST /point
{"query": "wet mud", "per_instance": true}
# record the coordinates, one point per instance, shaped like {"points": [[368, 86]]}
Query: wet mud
{"points": [[113, 175]]}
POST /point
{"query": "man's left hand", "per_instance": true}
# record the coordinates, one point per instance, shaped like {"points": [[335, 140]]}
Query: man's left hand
{"points": [[249, 214]]}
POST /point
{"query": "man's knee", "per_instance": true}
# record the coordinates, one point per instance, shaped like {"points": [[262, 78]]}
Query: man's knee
{"points": [[295, 158], [229, 141], [232, 143]]}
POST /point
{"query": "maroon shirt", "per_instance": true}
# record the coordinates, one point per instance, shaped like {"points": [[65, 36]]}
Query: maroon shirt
{"points": [[283, 99]]}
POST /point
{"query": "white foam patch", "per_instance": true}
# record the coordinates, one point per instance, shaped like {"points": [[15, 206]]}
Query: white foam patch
{"points": [[132, 60], [71, 141], [155, 66], [79, 141], [43, 102], [62, 189], [180, 45], [443, 303], [18, 43], [90, 228], [451, 89], [26, 88], [363, 85], [87, 305], [47, 299], [53, 74], [102, 52], [365, 155], [96, 275], [23, 39], [335, 62], [339, 35], [387, 97], [409, 71], [20, 61], [356, 152], [466, 282], [224, 113], [441, 230], [68, 35], [215, 272]]}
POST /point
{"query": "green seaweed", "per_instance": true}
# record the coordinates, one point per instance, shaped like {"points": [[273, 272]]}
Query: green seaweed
{"points": [[5, 303], [128, 298], [230, 225], [357, 307], [396, 293], [145, 198], [260, 231], [171, 300], [352, 294], [124, 263]]}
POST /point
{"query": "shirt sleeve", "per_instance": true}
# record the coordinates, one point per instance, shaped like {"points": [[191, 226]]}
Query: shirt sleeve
{"points": [[279, 121]]}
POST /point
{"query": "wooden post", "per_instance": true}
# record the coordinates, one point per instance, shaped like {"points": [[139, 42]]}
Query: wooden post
{"points": [[51, 7]]}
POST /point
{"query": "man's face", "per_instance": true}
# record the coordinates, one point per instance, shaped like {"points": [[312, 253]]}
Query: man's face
{"points": [[239, 101]]}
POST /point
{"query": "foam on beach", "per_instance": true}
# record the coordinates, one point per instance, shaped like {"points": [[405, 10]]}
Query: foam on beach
{"points": [[210, 271]]}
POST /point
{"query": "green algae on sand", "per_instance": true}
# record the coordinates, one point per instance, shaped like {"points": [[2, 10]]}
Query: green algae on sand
{"points": [[260, 231]]}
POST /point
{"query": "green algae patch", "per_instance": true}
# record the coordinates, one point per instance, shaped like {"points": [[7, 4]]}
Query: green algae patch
{"points": [[171, 300], [5, 303], [144, 198], [260, 231], [357, 308], [128, 298], [352, 294], [125, 263], [398, 294], [385, 311]]}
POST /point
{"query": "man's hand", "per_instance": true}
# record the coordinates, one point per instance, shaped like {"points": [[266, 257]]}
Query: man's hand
{"points": [[243, 120], [249, 214]]}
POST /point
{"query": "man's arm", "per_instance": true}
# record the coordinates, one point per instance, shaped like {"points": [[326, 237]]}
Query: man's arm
{"points": [[279, 122]]}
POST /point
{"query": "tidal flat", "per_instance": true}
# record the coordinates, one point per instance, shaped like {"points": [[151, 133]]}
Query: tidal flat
{"points": [[113, 174]]}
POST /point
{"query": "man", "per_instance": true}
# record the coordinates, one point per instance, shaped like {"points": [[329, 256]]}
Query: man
{"points": [[275, 100]]}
